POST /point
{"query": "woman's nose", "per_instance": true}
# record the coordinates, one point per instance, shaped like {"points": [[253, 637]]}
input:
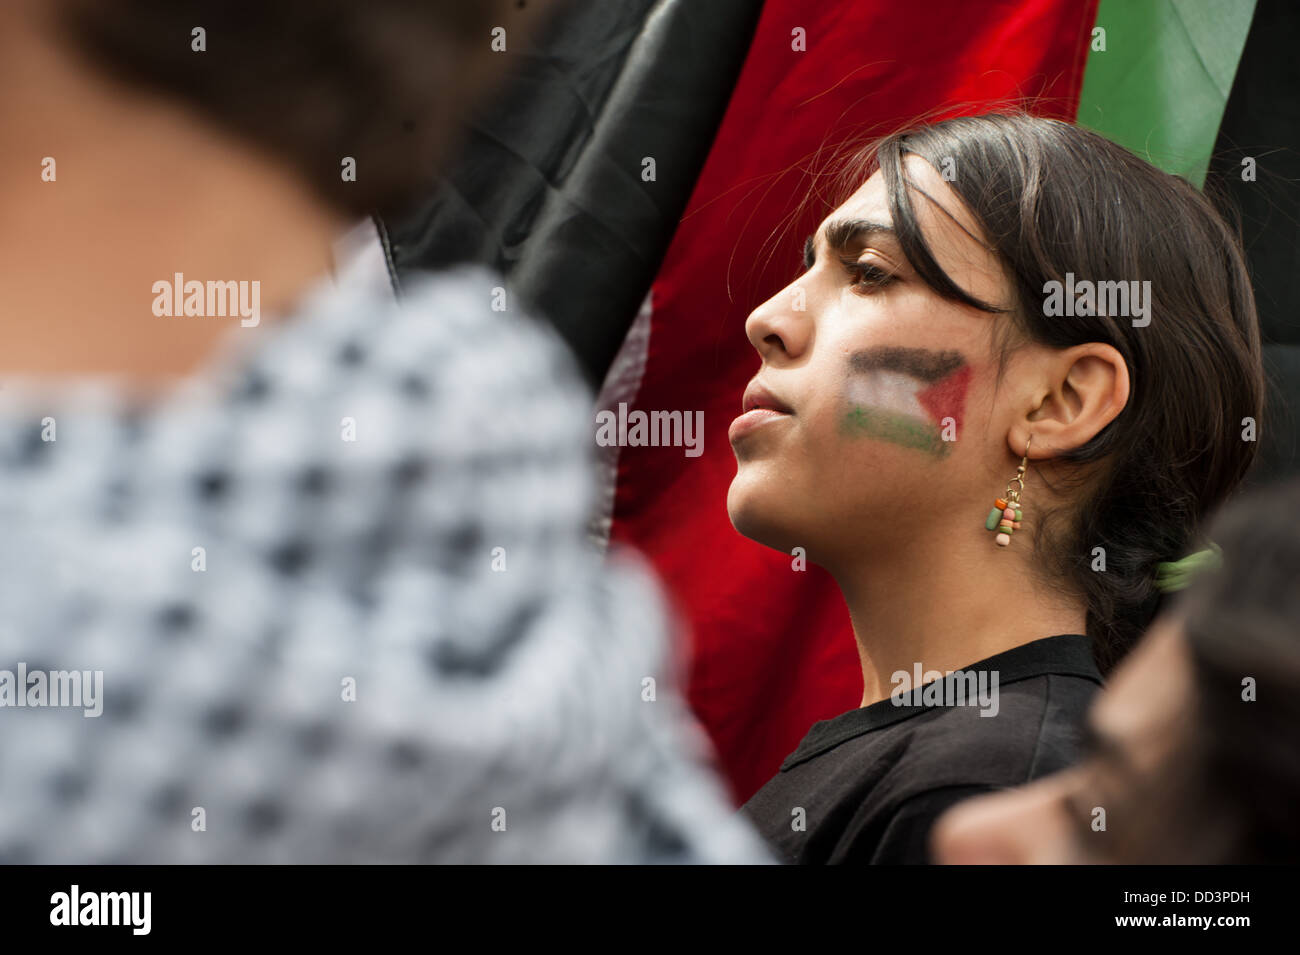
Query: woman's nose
{"points": [[780, 328]]}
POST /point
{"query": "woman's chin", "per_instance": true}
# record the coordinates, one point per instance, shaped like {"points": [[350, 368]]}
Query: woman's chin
{"points": [[755, 518]]}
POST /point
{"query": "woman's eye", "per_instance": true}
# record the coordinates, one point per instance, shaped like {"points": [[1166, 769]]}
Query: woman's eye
{"points": [[867, 277]]}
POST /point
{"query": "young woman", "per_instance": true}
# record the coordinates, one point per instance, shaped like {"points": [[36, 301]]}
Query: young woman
{"points": [[1021, 366], [1192, 755]]}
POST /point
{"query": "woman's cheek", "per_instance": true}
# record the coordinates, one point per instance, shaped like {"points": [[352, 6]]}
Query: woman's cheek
{"points": [[913, 398]]}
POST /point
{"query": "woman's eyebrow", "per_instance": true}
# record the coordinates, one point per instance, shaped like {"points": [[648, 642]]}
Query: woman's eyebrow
{"points": [[838, 233]]}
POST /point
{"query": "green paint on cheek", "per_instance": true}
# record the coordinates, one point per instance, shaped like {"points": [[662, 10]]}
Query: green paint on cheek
{"points": [[902, 430]]}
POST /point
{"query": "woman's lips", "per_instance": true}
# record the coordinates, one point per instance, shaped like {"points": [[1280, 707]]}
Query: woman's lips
{"points": [[750, 420], [757, 396], [758, 407]]}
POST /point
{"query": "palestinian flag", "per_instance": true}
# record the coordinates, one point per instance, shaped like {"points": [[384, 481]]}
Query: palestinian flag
{"points": [[911, 397], [742, 105], [773, 651]]}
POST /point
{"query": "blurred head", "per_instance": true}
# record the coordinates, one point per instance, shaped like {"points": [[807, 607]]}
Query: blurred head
{"points": [[1192, 754], [904, 372], [218, 140], [313, 81]]}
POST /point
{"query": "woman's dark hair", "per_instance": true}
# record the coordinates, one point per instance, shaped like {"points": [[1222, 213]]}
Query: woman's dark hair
{"points": [[1052, 199], [310, 81], [1227, 791]]}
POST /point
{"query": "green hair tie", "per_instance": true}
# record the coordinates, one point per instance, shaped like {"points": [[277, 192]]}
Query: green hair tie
{"points": [[1177, 574]]}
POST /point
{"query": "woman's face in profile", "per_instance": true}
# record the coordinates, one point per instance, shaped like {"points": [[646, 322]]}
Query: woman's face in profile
{"points": [[869, 420], [1075, 816]]}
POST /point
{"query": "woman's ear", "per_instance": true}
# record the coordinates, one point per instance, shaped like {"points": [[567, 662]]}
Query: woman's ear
{"points": [[1078, 392]]}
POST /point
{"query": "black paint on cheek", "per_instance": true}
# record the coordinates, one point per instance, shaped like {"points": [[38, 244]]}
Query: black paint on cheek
{"points": [[920, 363]]}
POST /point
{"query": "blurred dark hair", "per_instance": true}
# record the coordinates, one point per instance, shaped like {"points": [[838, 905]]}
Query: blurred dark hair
{"points": [[1244, 621], [1228, 789], [1054, 198], [310, 81]]}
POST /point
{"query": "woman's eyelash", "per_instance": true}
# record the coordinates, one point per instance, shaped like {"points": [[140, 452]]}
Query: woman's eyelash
{"points": [[868, 277]]}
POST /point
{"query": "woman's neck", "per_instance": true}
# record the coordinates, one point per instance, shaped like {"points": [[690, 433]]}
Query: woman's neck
{"points": [[138, 190], [946, 604]]}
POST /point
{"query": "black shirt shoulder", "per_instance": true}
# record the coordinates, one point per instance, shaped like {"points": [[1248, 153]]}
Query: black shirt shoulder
{"points": [[867, 786]]}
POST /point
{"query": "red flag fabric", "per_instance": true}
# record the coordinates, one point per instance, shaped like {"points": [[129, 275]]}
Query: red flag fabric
{"points": [[771, 650]]}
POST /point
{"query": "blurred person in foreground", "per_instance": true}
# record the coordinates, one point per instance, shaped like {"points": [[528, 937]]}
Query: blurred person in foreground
{"points": [[293, 572], [1194, 746]]}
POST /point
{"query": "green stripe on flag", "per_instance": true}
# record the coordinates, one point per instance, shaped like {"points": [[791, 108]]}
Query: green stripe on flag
{"points": [[1160, 85], [895, 428]]}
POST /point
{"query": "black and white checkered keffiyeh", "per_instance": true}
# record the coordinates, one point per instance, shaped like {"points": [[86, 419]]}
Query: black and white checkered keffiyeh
{"points": [[397, 647]]}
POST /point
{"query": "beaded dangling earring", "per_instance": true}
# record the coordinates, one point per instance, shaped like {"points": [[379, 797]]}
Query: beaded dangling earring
{"points": [[1005, 516]]}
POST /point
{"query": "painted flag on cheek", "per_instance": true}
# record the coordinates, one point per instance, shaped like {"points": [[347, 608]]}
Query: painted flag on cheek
{"points": [[911, 397]]}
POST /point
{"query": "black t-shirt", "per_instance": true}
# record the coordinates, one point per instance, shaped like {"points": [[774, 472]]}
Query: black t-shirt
{"points": [[867, 785]]}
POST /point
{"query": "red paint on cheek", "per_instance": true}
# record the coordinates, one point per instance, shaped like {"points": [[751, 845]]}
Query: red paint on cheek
{"points": [[947, 398]]}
